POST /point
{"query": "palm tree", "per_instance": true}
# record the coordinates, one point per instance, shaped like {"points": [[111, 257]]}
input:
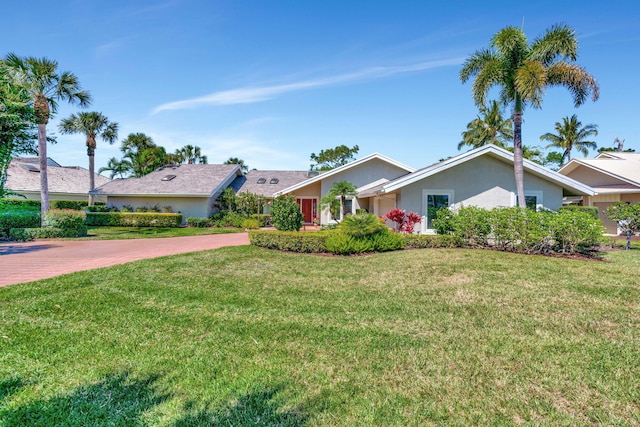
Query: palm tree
{"points": [[571, 134], [40, 78], [117, 167], [190, 155], [488, 128], [143, 154], [339, 190], [523, 71], [92, 125], [236, 161]]}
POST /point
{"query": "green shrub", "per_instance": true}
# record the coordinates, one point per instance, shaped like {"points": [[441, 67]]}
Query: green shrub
{"points": [[286, 214], [576, 231], [76, 205], [101, 208], [27, 234], [250, 224], [71, 222], [227, 219], [384, 240], [197, 222], [264, 220], [592, 210], [18, 219], [361, 224], [133, 219], [443, 221], [421, 241], [289, 240], [19, 205], [471, 224]]}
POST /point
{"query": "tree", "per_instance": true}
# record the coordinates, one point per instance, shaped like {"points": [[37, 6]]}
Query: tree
{"points": [[523, 71], [340, 190], [39, 77], [570, 134], [92, 125], [553, 160], [117, 167], [190, 155], [331, 158], [628, 217], [236, 161], [488, 128], [18, 132], [143, 154], [618, 145]]}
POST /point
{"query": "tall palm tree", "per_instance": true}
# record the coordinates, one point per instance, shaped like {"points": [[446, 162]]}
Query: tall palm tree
{"points": [[488, 128], [523, 71], [143, 154], [40, 78], [236, 161], [117, 167], [571, 134], [92, 125]]}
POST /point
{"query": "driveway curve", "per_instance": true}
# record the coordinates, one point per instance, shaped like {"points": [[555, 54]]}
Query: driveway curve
{"points": [[41, 259]]}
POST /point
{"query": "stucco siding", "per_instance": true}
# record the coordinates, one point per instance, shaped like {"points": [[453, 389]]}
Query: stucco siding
{"points": [[630, 198], [365, 174], [187, 206], [592, 177], [483, 182]]}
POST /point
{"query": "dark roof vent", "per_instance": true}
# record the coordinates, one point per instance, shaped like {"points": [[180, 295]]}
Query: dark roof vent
{"points": [[274, 181], [262, 180], [168, 177], [312, 174], [31, 167]]}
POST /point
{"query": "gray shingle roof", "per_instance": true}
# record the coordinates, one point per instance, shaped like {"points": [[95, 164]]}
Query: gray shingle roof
{"points": [[23, 175], [250, 182], [187, 180]]}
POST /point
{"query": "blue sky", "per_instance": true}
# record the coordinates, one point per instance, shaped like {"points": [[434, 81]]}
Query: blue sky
{"points": [[273, 81]]}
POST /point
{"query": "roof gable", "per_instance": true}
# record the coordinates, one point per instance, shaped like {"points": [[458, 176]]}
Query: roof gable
{"points": [[495, 152], [340, 169], [625, 169]]}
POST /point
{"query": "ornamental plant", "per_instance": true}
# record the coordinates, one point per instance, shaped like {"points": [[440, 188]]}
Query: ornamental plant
{"points": [[404, 223], [286, 214]]}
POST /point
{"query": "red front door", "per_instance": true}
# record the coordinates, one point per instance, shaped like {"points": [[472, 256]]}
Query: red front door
{"points": [[307, 210]]}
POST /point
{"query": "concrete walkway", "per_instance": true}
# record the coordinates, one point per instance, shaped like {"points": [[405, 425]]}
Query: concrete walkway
{"points": [[41, 259]]}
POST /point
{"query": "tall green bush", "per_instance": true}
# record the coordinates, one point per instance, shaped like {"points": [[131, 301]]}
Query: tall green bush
{"points": [[286, 214], [18, 219], [71, 222]]}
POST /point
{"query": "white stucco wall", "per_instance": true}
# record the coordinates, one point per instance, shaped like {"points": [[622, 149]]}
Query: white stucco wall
{"points": [[187, 206]]}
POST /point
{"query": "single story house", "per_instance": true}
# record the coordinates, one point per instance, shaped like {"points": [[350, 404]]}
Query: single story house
{"points": [[64, 182], [363, 173], [614, 176], [481, 177], [188, 189]]}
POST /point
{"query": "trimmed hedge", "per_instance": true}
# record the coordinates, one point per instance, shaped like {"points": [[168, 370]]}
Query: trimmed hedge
{"points": [[424, 241], [18, 219], [197, 222], [134, 219], [291, 241], [76, 205], [19, 205], [71, 222], [27, 234], [592, 210]]}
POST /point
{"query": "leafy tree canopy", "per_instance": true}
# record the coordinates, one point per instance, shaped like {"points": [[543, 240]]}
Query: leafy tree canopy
{"points": [[333, 157]]}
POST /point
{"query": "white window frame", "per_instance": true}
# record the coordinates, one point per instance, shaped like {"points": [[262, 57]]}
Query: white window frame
{"points": [[538, 195], [342, 214], [435, 192]]}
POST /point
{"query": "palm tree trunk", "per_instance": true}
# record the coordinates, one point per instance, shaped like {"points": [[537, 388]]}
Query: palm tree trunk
{"points": [[518, 167], [92, 183], [44, 185]]}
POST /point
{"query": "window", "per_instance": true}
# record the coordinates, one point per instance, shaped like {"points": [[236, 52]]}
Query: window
{"points": [[348, 207], [274, 181], [262, 180], [168, 177], [532, 200], [433, 201]]}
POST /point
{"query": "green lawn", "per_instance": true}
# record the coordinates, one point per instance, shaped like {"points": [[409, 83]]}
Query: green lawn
{"points": [[116, 233], [242, 336]]}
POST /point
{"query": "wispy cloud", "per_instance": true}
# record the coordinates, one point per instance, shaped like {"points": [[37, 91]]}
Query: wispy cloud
{"points": [[248, 95]]}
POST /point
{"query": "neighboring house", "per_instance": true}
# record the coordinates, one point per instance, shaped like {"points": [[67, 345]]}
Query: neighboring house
{"points": [[363, 173], [481, 177], [614, 176], [188, 189], [64, 182], [267, 183]]}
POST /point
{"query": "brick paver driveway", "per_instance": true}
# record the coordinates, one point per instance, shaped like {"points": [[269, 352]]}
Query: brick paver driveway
{"points": [[25, 262]]}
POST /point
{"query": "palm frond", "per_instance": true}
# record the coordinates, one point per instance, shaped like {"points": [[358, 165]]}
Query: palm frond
{"points": [[558, 41], [576, 79], [530, 82]]}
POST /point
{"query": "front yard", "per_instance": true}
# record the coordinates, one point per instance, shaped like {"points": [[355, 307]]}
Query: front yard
{"points": [[244, 336]]}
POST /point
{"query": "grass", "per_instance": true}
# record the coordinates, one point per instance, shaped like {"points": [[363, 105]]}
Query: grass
{"points": [[121, 233], [242, 336]]}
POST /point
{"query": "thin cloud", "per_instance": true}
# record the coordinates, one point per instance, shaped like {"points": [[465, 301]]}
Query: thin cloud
{"points": [[249, 95]]}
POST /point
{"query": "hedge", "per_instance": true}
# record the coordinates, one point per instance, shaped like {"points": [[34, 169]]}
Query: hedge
{"points": [[18, 219], [592, 210], [19, 204], [291, 241], [27, 234], [71, 222], [422, 241], [134, 219]]}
